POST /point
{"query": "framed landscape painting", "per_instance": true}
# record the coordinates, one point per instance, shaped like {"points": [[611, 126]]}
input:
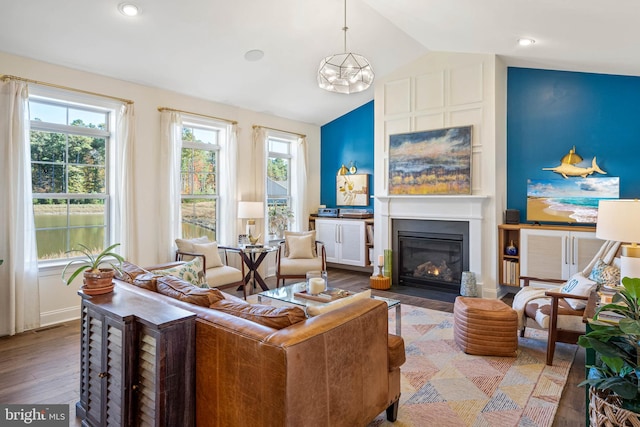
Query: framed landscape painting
{"points": [[431, 162], [352, 190]]}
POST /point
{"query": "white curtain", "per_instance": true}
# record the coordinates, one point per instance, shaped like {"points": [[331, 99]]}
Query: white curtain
{"points": [[299, 184], [169, 183], [125, 202], [19, 297], [227, 234], [258, 165]]}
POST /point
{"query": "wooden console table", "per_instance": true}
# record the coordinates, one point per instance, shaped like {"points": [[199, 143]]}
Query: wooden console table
{"points": [[137, 362]]}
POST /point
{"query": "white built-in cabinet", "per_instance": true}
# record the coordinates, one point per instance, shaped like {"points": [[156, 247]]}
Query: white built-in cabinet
{"points": [[344, 240], [557, 253]]}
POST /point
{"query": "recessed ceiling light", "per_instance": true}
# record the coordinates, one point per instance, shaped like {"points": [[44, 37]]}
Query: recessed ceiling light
{"points": [[526, 42], [254, 55], [128, 9]]}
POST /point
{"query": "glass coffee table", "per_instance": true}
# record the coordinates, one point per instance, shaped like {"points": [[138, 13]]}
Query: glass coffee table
{"points": [[287, 293]]}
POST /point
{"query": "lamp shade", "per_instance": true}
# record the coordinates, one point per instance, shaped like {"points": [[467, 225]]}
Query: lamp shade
{"points": [[250, 210], [619, 220]]}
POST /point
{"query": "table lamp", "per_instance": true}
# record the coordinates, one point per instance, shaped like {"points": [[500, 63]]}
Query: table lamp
{"points": [[619, 220], [250, 211]]}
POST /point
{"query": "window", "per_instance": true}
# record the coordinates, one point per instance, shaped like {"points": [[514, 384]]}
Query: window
{"points": [[199, 179], [70, 148], [279, 200]]}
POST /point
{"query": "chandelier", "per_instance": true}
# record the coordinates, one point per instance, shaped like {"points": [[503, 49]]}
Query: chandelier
{"points": [[345, 72]]}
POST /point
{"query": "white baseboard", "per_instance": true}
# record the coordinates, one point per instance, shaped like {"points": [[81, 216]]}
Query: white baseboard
{"points": [[59, 316]]}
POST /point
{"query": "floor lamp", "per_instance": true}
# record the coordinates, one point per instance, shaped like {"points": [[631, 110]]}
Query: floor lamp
{"points": [[250, 211], [619, 220]]}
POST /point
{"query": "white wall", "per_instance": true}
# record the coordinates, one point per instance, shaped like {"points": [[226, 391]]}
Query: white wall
{"points": [[437, 91], [59, 302]]}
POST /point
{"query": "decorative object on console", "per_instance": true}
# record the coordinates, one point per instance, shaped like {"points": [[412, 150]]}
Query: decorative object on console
{"points": [[574, 200], [352, 190], [431, 162], [96, 280], [343, 170], [618, 220], [250, 211], [345, 72], [388, 262], [512, 216], [511, 250]]}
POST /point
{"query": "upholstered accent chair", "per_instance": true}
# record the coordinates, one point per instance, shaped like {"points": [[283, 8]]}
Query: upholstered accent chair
{"points": [[299, 253], [560, 310], [217, 271]]}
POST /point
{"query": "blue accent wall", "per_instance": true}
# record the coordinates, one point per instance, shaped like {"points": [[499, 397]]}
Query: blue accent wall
{"points": [[548, 112], [345, 139]]}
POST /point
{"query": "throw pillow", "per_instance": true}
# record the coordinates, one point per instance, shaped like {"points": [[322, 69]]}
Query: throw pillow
{"points": [[210, 252], [274, 317], [316, 310], [300, 247], [189, 271], [186, 245], [312, 233], [128, 272], [605, 274], [185, 291], [578, 285]]}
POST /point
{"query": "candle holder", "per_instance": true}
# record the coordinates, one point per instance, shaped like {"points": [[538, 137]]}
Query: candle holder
{"points": [[316, 282], [380, 271]]}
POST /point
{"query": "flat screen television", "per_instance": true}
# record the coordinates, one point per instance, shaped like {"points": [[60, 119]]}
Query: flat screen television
{"points": [[572, 200]]}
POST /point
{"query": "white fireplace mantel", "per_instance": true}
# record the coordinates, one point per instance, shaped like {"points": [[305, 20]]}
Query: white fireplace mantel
{"points": [[468, 208]]}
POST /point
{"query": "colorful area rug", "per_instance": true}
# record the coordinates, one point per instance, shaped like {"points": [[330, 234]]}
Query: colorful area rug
{"points": [[442, 386]]}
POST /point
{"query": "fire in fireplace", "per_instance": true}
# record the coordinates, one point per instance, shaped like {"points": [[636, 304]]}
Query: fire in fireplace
{"points": [[430, 254]]}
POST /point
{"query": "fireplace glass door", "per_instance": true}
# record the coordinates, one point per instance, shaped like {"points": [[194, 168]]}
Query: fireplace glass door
{"points": [[430, 259]]}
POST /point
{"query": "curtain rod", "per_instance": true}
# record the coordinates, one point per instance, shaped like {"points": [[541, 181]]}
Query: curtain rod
{"points": [[301, 135], [6, 77], [233, 122]]}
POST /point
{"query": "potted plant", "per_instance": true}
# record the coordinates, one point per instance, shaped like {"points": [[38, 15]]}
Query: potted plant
{"points": [[279, 218], [615, 337], [96, 280]]}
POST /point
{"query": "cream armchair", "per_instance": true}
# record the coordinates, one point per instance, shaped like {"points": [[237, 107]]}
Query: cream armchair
{"points": [[560, 310], [298, 254], [217, 271]]}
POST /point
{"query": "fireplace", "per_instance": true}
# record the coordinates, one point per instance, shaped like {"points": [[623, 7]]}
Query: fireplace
{"points": [[430, 254]]}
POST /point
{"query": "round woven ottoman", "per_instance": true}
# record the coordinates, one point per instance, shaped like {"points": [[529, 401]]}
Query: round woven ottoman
{"points": [[486, 327]]}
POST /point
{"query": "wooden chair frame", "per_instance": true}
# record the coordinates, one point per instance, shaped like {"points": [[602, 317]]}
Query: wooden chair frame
{"points": [[280, 254]]}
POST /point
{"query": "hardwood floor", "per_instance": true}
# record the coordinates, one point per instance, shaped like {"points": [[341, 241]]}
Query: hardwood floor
{"points": [[42, 366]]}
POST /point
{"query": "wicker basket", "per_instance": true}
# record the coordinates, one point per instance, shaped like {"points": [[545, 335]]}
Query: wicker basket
{"points": [[603, 411]]}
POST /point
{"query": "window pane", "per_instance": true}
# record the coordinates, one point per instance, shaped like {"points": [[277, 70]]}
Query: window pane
{"points": [[276, 146], [206, 136], [86, 179], [198, 218], [47, 113], [277, 177], [48, 146], [198, 171], [87, 119], [52, 216], [88, 220], [187, 133], [87, 150], [47, 178]]}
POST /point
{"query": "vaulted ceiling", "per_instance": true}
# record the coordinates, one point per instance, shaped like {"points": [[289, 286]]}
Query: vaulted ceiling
{"points": [[197, 47]]}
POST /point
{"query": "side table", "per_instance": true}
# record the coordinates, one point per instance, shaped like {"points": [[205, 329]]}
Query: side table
{"points": [[253, 257]]}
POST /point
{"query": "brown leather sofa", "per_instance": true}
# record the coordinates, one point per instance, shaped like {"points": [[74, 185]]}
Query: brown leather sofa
{"points": [[341, 368]]}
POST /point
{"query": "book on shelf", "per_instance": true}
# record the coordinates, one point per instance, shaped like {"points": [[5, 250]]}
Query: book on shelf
{"points": [[511, 272]]}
